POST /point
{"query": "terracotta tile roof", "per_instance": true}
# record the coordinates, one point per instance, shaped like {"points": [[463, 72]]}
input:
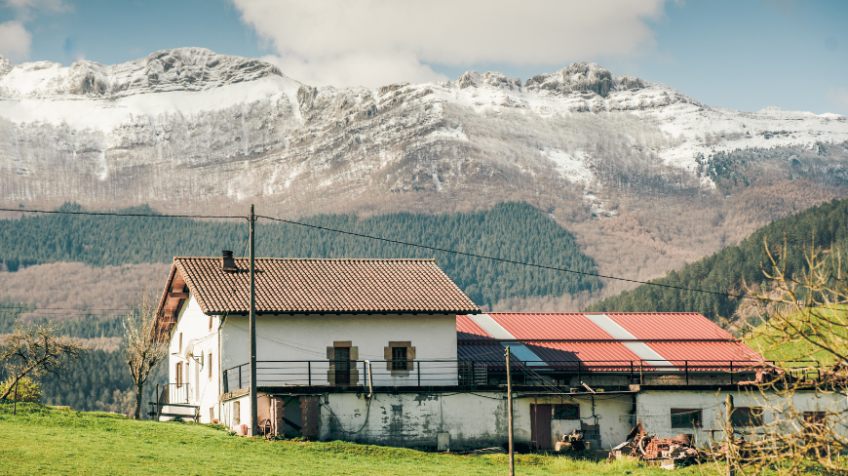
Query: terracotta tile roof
{"points": [[285, 285]]}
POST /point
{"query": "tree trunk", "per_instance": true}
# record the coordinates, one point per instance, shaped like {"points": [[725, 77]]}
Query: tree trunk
{"points": [[15, 382], [139, 393]]}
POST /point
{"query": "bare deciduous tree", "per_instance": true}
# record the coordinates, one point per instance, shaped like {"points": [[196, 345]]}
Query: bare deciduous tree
{"points": [[143, 350], [809, 309], [34, 351]]}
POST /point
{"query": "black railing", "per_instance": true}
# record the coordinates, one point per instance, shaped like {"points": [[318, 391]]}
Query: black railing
{"points": [[431, 373]]}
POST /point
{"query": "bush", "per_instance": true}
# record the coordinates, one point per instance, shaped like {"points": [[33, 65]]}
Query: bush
{"points": [[28, 390]]}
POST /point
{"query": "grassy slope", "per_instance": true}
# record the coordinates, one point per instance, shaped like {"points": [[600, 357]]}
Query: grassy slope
{"points": [[40, 440], [764, 340]]}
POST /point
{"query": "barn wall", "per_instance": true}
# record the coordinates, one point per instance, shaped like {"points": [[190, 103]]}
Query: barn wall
{"points": [[654, 409], [472, 420]]}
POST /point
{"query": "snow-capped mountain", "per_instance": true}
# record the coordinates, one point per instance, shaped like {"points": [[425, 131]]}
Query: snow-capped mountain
{"points": [[192, 126]]}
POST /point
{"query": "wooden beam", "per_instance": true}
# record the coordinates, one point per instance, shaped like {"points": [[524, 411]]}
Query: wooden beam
{"points": [[178, 295]]}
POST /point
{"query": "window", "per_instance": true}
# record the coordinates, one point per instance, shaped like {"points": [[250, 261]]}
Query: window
{"points": [[178, 374], [210, 364], [236, 413], [399, 358], [685, 417], [210, 323], [747, 416], [566, 412], [814, 422], [180, 349]]}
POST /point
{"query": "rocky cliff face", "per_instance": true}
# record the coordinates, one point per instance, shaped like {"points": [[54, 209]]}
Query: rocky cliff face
{"points": [[189, 126]]}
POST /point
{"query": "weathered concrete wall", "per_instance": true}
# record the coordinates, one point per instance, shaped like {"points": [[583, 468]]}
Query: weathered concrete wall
{"points": [[654, 409], [472, 420], [302, 338]]}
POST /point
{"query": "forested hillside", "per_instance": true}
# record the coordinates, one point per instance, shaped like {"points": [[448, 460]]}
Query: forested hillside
{"points": [[824, 226], [101, 382], [515, 231]]}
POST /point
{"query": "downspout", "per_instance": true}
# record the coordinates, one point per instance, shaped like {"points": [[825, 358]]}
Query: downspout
{"points": [[370, 379]]}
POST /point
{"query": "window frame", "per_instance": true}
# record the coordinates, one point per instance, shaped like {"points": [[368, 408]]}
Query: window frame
{"points": [[689, 423], [747, 416], [399, 363], [565, 407]]}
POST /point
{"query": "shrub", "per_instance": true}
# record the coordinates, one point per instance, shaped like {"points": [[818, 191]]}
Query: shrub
{"points": [[28, 390]]}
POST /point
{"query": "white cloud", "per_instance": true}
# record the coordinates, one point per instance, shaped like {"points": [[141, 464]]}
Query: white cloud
{"points": [[354, 69], [15, 41], [840, 97], [376, 42]]}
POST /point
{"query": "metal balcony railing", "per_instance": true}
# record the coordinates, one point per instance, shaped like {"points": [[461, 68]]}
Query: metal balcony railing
{"points": [[431, 373]]}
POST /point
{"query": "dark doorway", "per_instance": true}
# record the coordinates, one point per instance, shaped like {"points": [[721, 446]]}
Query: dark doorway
{"points": [[540, 426], [342, 358]]}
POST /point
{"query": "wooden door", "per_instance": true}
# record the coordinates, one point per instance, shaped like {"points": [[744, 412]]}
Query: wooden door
{"points": [[540, 426], [342, 359]]}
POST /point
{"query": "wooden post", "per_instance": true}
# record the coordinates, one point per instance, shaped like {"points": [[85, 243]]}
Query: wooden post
{"points": [[729, 440], [509, 416], [252, 318], [16, 395]]}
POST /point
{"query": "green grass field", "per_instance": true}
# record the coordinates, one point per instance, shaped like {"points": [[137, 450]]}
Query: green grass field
{"points": [[45, 441], [765, 340]]}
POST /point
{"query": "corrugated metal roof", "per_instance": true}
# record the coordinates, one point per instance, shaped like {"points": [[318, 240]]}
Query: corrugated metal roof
{"points": [[566, 337], [669, 325], [548, 326]]}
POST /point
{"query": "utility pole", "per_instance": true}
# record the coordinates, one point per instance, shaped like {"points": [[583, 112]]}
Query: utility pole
{"points": [[252, 323], [729, 440], [509, 418]]}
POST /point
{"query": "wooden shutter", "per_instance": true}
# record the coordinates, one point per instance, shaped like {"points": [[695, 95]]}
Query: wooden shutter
{"points": [[410, 357]]}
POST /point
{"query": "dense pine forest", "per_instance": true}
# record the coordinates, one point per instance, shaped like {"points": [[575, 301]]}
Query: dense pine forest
{"points": [[824, 226], [514, 231]]}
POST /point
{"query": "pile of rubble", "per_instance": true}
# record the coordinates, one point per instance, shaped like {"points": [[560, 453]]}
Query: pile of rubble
{"points": [[664, 452]]}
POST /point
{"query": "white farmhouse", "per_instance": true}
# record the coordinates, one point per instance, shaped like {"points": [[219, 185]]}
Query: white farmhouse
{"points": [[392, 352]]}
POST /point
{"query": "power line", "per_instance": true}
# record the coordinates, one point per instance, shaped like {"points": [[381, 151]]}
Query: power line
{"points": [[68, 308], [147, 215], [398, 242], [503, 260]]}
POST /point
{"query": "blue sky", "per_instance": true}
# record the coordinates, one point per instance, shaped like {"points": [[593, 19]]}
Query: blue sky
{"points": [[738, 54]]}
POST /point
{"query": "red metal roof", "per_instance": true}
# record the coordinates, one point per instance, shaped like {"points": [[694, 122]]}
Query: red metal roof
{"points": [[604, 340], [669, 325], [549, 326]]}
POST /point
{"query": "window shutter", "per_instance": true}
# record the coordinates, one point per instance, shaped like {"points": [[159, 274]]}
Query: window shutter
{"points": [[410, 357], [387, 356]]}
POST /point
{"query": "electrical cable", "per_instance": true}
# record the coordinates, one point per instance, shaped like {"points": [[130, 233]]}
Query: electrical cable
{"points": [[398, 242], [503, 260], [147, 215]]}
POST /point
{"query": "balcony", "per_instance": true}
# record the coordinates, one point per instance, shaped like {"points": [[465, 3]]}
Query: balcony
{"points": [[551, 376]]}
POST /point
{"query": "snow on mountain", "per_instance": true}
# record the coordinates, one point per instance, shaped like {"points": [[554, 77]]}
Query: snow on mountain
{"points": [[185, 123]]}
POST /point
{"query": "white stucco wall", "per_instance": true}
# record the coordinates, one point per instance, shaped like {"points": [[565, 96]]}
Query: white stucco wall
{"points": [[193, 324], [292, 338], [654, 409]]}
